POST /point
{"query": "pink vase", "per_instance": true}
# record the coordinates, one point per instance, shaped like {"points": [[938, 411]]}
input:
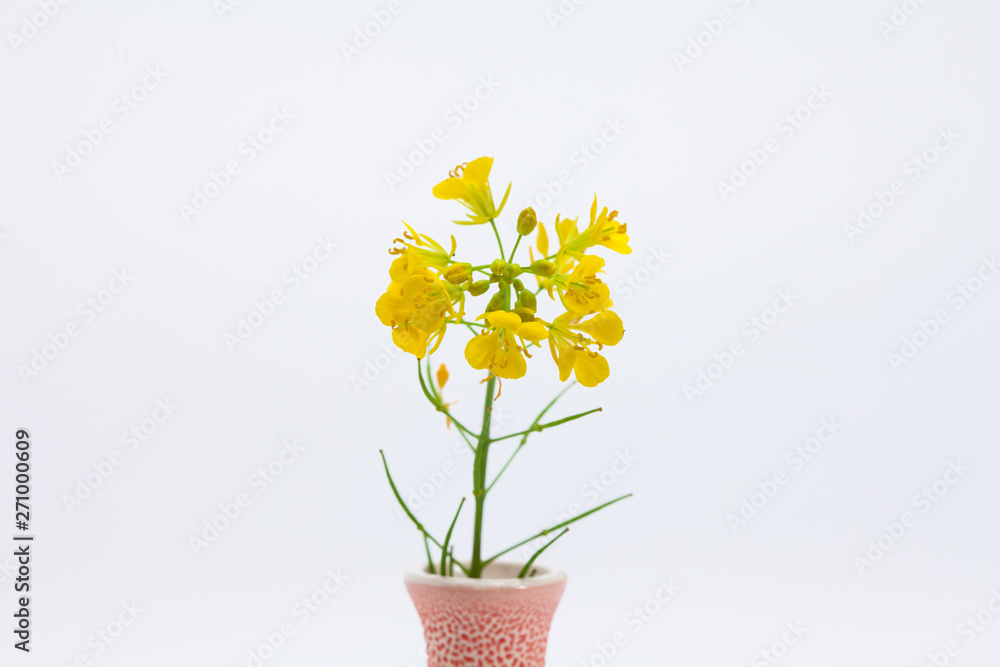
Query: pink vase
{"points": [[496, 621]]}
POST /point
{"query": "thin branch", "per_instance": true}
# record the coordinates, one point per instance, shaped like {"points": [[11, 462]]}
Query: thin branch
{"points": [[531, 561], [538, 428], [406, 509], [447, 538], [556, 527]]}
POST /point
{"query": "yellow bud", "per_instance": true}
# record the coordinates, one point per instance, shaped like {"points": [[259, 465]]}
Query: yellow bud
{"points": [[497, 302], [513, 271], [526, 221], [526, 314], [498, 266], [542, 267], [527, 300], [458, 273], [479, 287]]}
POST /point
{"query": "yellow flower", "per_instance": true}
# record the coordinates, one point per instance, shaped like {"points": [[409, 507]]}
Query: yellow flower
{"points": [[417, 309], [470, 185], [582, 292], [416, 252], [497, 349], [603, 230], [571, 348]]}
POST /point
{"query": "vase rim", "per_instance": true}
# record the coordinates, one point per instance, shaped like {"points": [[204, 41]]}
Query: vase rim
{"points": [[500, 574]]}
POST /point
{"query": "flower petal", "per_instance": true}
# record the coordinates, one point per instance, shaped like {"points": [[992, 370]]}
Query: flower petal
{"points": [[533, 331], [591, 369], [504, 319], [479, 351], [511, 364], [392, 309], [605, 327], [543, 241], [452, 188], [478, 171], [410, 339], [564, 357]]}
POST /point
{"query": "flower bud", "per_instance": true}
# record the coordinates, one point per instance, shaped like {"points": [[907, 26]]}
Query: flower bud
{"points": [[518, 285], [525, 314], [527, 300], [498, 302], [526, 222], [479, 287], [513, 271], [458, 273], [498, 266], [542, 267]]}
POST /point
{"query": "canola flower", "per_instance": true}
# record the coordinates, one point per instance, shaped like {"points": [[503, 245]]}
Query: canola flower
{"points": [[430, 289]]}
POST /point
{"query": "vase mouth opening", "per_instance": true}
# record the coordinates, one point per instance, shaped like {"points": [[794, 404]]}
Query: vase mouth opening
{"points": [[501, 574]]}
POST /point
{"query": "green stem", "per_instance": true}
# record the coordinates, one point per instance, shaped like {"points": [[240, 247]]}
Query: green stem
{"points": [[406, 509], [537, 428], [497, 234], [447, 538], [556, 527], [479, 481], [441, 407], [525, 439], [534, 429], [516, 243], [430, 561], [527, 566]]}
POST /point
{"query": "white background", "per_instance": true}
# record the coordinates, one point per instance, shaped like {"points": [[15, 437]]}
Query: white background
{"points": [[301, 375]]}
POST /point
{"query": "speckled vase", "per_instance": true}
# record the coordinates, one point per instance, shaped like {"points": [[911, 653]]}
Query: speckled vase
{"points": [[496, 621]]}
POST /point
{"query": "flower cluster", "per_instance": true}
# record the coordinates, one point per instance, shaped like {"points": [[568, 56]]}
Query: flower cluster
{"points": [[430, 287]]}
